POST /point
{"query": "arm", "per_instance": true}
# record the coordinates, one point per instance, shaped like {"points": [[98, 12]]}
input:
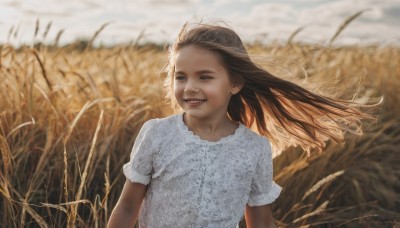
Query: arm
{"points": [[259, 217], [126, 210]]}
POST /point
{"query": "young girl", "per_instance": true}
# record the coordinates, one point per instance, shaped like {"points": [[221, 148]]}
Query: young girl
{"points": [[204, 167]]}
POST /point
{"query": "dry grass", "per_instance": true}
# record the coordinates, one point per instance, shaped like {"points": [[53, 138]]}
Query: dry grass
{"points": [[360, 180], [68, 119]]}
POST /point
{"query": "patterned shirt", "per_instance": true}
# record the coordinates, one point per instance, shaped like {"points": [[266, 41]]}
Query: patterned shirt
{"points": [[198, 183]]}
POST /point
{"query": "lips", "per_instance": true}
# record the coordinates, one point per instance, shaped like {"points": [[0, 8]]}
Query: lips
{"points": [[194, 100]]}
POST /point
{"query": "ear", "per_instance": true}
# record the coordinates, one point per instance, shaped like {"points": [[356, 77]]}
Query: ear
{"points": [[236, 88]]}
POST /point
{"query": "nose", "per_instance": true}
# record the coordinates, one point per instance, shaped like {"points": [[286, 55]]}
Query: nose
{"points": [[191, 86]]}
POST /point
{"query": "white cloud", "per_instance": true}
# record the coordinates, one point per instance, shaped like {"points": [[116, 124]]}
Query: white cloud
{"points": [[162, 19], [225, 2], [53, 8], [272, 11]]}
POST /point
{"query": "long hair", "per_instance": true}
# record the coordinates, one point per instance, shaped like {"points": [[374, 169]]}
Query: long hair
{"points": [[287, 114]]}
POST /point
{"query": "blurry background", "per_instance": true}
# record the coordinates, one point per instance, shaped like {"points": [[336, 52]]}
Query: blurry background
{"points": [[79, 78], [160, 20]]}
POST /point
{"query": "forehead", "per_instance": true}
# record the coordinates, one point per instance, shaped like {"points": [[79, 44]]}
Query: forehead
{"points": [[197, 58]]}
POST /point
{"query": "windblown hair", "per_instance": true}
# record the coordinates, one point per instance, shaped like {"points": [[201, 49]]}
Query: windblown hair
{"points": [[287, 114]]}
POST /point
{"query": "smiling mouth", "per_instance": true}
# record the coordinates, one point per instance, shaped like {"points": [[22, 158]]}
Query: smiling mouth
{"points": [[194, 101]]}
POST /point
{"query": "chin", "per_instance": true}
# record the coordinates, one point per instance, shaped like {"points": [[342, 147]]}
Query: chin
{"points": [[195, 114]]}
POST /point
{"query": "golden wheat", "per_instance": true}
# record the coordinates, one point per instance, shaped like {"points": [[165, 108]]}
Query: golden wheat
{"points": [[69, 117]]}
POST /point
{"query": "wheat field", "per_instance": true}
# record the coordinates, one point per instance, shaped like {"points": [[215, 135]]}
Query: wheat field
{"points": [[69, 116]]}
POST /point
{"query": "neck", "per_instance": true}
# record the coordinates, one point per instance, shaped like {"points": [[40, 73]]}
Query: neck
{"points": [[211, 130]]}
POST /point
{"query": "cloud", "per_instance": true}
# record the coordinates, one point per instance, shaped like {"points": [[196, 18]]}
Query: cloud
{"points": [[170, 2], [161, 20], [392, 15], [53, 8], [226, 2], [273, 11]]}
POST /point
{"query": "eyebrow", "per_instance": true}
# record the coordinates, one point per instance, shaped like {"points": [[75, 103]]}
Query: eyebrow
{"points": [[198, 72]]}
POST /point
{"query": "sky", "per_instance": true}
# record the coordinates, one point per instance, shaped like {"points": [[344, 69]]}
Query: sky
{"points": [[160, 20]]}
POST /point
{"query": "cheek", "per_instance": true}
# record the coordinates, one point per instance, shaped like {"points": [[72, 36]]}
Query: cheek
{"points": [[217, 90], [177, 90]]}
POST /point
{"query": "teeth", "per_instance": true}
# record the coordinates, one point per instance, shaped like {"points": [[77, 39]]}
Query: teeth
{"points": [[195, 101]]}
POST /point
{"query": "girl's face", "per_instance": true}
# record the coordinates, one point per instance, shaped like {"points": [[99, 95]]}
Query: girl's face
{"points": [[202, 86]]}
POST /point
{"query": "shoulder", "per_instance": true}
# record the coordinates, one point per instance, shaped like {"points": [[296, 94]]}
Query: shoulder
{"points": [[161, 125], [251, 135], [155, 131], [257, 141]]}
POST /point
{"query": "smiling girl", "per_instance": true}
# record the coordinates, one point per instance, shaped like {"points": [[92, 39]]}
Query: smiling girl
{"points": [[205, 167]]}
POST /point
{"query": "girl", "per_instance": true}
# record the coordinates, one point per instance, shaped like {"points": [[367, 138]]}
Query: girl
{"points": [[205, 167]]}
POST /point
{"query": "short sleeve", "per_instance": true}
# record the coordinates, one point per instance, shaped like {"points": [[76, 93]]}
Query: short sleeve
{"points": [[263, 189], [139, 167]]}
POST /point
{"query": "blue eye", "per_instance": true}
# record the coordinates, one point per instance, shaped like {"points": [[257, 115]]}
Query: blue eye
{"points": [[179, 77]]}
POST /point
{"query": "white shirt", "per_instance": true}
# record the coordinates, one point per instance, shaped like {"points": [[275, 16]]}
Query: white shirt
{"points": [[198, 183]]}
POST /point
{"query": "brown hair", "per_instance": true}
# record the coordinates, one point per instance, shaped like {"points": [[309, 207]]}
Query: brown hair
{"points": [[286, 113]]}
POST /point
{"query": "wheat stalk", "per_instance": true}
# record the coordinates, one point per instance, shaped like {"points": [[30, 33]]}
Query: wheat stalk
{"points": [[46, 31], [317, 211], [96, 34], [291, 37], [88, 162], [344, 24], [322, 182], [58, 37]]}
